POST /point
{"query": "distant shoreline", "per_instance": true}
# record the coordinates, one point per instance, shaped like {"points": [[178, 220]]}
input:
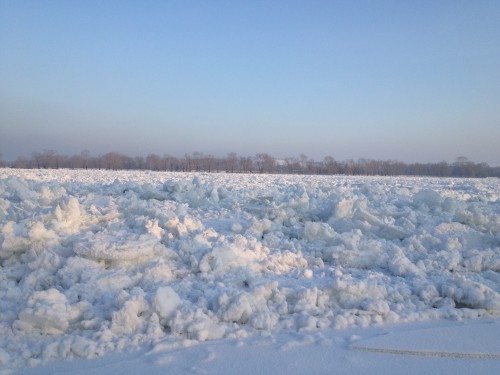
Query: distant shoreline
{"points": [[258, 163]]}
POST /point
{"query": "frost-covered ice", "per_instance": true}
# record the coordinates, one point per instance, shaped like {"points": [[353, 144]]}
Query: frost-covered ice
{"points": [[94, 262]]}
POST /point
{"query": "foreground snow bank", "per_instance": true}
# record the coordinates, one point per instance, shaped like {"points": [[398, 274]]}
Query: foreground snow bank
{"points": [[437, 347], [94, 262]]}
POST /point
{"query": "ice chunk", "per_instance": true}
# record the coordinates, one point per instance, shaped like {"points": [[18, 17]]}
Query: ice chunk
{"points": [[428, 197], [115, 248], [165, 302], [21, 189], [129, 319], [14, 239], [265, 320], [224, 258], [68, 216], [38, 232], [318, 231], [47, 312], [4, 357], [344, 208]]}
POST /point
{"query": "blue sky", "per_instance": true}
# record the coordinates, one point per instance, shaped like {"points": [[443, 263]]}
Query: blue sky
{"points": [[405, 80]]}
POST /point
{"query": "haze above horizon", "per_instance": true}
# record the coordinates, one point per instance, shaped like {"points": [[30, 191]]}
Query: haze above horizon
{"points": [[411, 81]]}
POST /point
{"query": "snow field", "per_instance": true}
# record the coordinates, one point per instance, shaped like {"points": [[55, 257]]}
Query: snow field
{"points": [[94, 262]]}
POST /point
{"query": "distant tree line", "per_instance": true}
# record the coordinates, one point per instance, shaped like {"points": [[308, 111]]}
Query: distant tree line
{"points": [[258, 163]]}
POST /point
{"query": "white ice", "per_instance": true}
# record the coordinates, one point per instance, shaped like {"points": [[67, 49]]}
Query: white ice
{"points": [[95, 264]]}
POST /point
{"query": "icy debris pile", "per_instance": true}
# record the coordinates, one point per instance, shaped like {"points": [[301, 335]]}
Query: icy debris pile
{"points": [[95, 261]]}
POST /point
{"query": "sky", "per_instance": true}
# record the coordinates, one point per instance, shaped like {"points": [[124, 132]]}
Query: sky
{"points": [[415, 81]]}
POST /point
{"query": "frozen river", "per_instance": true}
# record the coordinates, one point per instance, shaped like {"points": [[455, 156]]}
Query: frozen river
{"points": [[95, 262]]}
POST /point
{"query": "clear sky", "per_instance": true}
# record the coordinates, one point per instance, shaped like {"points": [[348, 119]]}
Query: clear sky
{"points": [[405, 80]]}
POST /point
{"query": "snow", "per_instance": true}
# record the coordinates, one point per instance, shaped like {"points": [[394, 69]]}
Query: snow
{"points": [[403, 349], [216, 273], [445, 341]]}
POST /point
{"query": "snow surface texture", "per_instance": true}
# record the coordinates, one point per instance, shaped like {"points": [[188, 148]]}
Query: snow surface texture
{"points": [[94, 262], [432, 347]]}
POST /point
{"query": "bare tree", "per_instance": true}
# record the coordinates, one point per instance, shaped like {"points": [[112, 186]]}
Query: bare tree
{"points": [[22, 163], [114, 161], [51, 160], [330, 165], [292, 165], [262, 162], [265, 163], [303, 159], [464, 167], [37, 159], [85, 155], [153, 162], [187, 163], [75, 161], [207, 163], [231, 162], [172, 163], [246, 163]]}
